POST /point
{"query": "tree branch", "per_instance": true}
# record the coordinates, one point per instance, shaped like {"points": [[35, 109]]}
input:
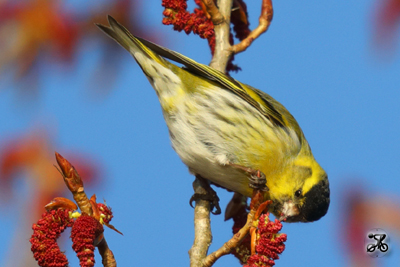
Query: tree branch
{"points": [[212, 10], [202, 227], [222, 51], [202, 223], [75, 184], [256, 208], [265, 19], [232, 243], [107, 256]]}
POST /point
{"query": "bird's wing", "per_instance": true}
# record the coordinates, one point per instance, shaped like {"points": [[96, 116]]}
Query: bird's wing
{"points": [[259, 100]]}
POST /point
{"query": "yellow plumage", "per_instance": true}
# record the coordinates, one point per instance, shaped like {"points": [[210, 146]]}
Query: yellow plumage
{"points": [[215, 121]]}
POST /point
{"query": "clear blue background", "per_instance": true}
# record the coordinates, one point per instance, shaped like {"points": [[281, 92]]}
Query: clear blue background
{"points": [[316, 59]]}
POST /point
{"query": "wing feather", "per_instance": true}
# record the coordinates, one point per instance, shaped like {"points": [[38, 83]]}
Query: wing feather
{"points": [[254, 98]]}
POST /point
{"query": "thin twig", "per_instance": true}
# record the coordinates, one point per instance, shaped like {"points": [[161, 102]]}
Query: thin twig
{"points": [[107, 256], [75, 184], [232, 243], [256, 200], [264, 22]]}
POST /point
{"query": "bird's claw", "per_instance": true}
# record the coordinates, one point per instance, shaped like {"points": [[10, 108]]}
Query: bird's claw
{"points": [[209, 195], [257, 179], [213, 199]]}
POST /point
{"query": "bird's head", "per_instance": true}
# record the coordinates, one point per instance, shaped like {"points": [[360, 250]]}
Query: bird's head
{"points": [[301, 193]]}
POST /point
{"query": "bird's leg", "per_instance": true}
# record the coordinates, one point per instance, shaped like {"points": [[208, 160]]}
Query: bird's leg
{"points": [[208, 194], [256, 177]]}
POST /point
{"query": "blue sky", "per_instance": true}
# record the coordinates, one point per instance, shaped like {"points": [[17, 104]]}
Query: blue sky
{"points": [[316, 59]]}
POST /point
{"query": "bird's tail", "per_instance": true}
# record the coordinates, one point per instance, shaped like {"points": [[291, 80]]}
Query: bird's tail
{"points": [[131, 43], [161, 73]]}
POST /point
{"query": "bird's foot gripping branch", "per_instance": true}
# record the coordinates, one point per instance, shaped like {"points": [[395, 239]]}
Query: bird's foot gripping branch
{"points": [[87, 226], [257, 179]]}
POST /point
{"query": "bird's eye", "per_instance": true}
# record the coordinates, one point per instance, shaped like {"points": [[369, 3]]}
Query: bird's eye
{"points": [[297, 193]]}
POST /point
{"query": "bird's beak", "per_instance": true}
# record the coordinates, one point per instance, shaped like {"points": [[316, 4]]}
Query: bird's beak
{"points": [[289, 209]]}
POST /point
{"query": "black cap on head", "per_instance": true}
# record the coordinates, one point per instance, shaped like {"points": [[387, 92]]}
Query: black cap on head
{"points": [[316, 202]]}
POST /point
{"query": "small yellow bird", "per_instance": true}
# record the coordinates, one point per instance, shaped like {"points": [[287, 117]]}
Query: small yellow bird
{"points": [[217, 124]]}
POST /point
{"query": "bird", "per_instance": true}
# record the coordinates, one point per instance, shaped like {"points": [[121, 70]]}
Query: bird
{"points": [[229, 133]]}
